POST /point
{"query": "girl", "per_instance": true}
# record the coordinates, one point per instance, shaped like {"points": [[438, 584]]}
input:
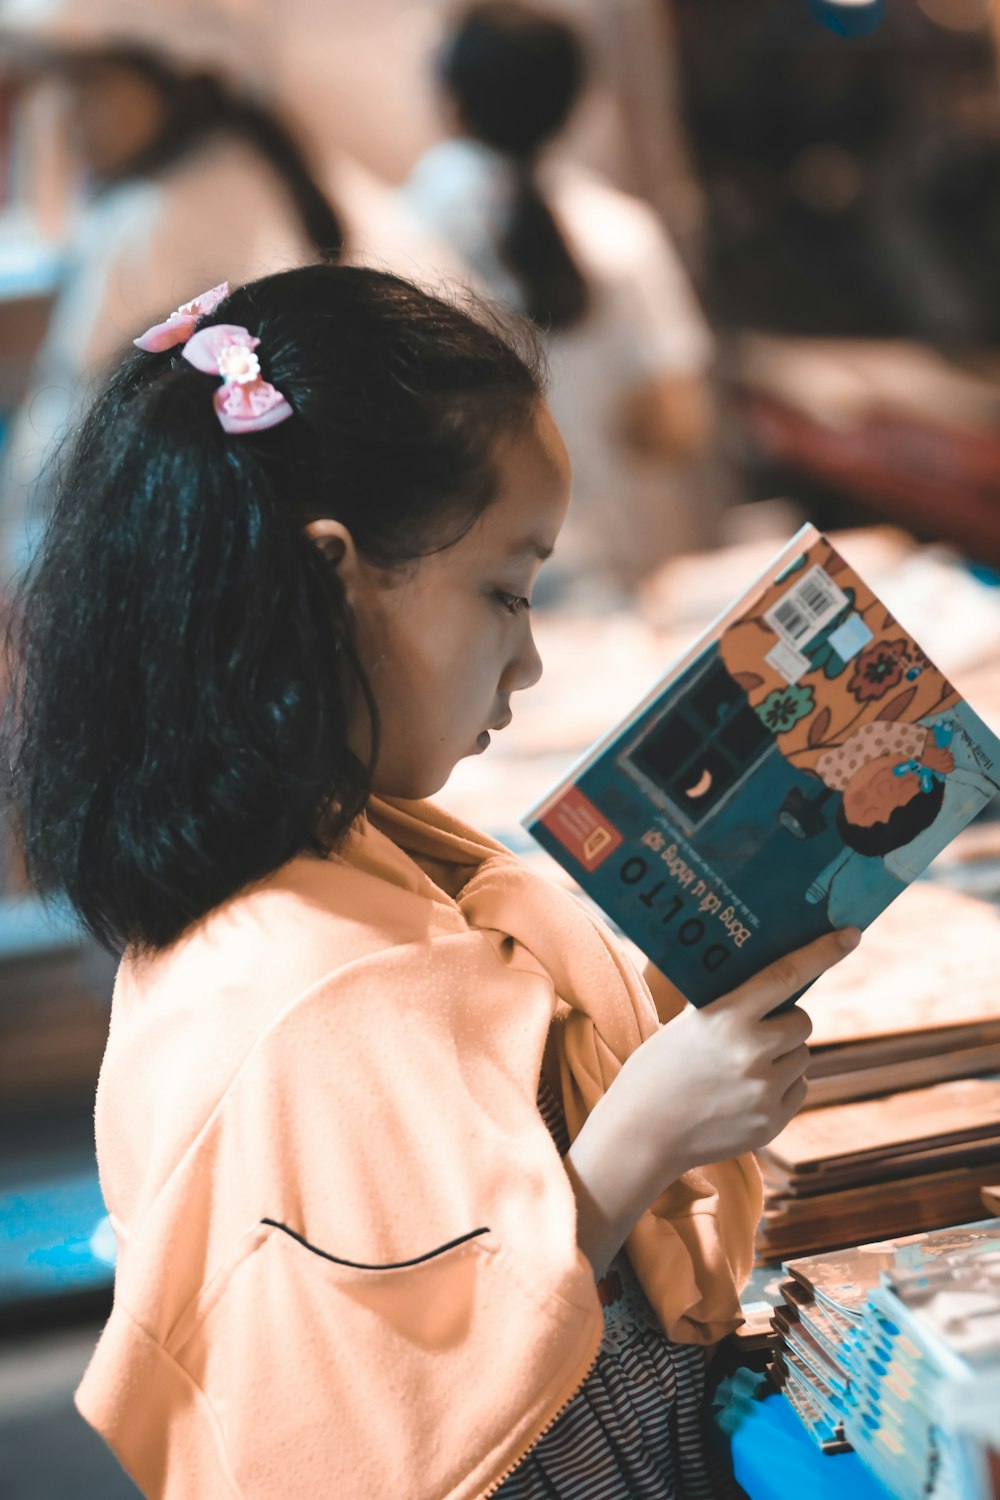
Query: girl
{"points": [[592, 266], [269, 616]]}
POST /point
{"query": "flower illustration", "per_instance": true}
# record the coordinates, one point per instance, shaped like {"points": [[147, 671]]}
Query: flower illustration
{"points": [[784, 708], [238, 363], [878, 668]]}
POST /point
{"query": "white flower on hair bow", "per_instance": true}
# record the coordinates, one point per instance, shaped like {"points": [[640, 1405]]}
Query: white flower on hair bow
{"points": [[245, 402]]}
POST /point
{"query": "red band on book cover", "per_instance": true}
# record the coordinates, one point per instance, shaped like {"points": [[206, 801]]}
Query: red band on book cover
{"points": [[582, 829]]}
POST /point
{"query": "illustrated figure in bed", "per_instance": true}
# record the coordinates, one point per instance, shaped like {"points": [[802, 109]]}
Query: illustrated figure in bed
{"points": [[892, 779]]}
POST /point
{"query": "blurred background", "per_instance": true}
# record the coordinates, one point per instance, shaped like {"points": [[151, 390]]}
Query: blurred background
{"points": [[772, 296]]}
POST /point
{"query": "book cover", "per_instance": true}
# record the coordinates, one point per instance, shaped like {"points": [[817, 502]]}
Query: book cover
{"points": [[793, 773]]}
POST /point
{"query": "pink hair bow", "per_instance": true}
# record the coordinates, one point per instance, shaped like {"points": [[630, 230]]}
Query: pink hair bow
{"points": [[182, 323], [245, 402]]}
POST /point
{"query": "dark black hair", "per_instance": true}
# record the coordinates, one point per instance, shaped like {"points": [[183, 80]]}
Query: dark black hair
{"points": [[902, 824], [200, 105], [184, 656], [514, 74]]}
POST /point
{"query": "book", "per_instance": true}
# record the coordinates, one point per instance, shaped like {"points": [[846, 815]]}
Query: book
{"points": [[792, 773], [926, 1345], [895, 1021], [828, 1328], [924, 1201], [835, 1140], [871, 1078], [880, 1347], [819, 1417], [841, 1173], [841, 1280], [807, 1363]]}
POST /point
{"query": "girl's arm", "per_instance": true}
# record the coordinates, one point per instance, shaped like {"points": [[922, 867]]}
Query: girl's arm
{"points": [[709, 1085]]}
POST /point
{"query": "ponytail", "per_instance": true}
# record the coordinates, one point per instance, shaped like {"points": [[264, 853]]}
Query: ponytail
{"points": [[514, 74], [534, 251]]}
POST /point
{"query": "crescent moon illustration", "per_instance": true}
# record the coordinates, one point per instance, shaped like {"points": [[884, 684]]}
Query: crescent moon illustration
{"points": [[701, 786]]}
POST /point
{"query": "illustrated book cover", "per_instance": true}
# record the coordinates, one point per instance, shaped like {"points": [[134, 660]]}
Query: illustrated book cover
{"points": [[794, 772]]}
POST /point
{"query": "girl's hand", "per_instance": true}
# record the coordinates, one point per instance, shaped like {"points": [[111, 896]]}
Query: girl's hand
{"points": [[709, 1085]]}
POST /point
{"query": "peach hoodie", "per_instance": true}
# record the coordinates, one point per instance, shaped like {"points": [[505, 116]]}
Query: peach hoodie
{"points": [[347, 1253]]}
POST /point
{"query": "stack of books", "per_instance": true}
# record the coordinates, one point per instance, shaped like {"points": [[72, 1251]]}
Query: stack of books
{"points": [[894, 1020], [904, 1162], [893, 1349], [921, 1403], [811, 1329], [903, 1132]]}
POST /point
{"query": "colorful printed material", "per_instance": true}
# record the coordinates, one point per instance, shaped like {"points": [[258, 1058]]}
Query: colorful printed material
{"points": [[926, 1346], [793, 773], [881, 1346]]}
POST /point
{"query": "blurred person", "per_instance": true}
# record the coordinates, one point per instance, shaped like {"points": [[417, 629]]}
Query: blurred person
{"points": [[186, 177], [594, 268]]}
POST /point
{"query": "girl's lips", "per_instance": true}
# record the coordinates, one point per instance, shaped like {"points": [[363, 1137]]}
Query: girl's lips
{"points": [[483, 741]]}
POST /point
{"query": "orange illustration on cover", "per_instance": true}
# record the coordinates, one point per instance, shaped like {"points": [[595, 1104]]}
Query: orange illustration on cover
{"points": [[854, 721]]}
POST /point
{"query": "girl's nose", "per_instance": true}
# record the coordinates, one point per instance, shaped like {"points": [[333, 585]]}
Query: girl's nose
{"points": [[526, 667]]}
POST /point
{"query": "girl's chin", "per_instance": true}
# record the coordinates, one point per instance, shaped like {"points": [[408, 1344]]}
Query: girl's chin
{"points": [[410, 788]]}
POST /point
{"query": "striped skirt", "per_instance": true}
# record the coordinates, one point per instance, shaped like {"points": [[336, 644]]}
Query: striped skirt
{"points": [[636, 1428]]}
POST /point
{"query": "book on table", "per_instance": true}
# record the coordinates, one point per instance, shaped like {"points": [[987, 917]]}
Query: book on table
{"points": [[923, 1396], [895, 1021], [792, 773], [883, 1346]]}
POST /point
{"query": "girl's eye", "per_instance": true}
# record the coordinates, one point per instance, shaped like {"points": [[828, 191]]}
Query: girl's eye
{"points": [[513, 603]]}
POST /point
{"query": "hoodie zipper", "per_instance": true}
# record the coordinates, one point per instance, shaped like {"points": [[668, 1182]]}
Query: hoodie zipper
{"points": [[550, 1422]]}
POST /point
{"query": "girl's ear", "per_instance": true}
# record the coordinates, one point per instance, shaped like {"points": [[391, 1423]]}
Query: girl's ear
{"points": [[336, 544]]}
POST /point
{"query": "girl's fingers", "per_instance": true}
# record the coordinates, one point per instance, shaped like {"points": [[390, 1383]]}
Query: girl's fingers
{"points": [[790, 1028], [793, 1098], [791, 1066], [787, 976]]}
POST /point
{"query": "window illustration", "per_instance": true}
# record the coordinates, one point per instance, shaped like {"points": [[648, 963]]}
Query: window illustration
{"points": [[700, 748]]}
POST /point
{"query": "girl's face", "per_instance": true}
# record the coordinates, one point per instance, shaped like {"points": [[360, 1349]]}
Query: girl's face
{"points": [[447, 640]]}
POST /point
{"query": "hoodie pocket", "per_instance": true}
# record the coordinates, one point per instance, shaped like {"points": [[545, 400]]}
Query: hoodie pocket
{"points": [[428, 1298], [423, 1377]]}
